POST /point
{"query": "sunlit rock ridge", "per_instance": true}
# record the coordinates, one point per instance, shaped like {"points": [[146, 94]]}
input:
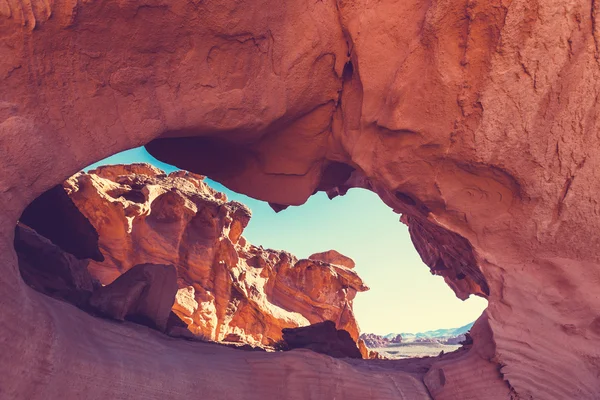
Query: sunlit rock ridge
{"points": [[476, 120], [229, 289]]}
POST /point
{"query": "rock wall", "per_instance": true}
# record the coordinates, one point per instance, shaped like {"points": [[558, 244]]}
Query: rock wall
{"points": [[230, 290], [478, 120]]}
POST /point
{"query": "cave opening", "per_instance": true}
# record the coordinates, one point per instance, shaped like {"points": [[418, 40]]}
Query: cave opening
{"points": [[157, 223]]}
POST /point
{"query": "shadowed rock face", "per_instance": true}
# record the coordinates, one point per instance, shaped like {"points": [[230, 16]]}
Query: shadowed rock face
{"points": [[52, 271], [229, 290], [449, 255], [478, 120], [54, 216], [144, 294], [322, 338]]}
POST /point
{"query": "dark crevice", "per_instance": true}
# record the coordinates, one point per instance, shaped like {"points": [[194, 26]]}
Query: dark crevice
{"points": [[134, 196], [348, 72], [54, 216], [334, 175], [406, 199], [214, 157]]}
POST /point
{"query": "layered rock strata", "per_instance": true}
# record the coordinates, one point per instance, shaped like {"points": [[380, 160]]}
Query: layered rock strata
{"points": [[229, 290]]}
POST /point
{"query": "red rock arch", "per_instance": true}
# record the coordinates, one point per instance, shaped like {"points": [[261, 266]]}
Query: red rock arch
{"points": [[484, 114]]}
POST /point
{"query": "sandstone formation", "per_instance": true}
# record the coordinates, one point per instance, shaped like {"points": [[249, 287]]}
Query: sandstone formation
{"points": [[477, 120], [333, 257], [229, 290], [144, 294], [50, 270], [322, 337]]}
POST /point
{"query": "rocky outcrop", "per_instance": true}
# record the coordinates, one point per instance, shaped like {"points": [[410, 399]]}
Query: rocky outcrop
{"points": [[322, 337], [144, 294], [50, 270], [373, 340], [229, 290], [396, 339], [333, 257], [477, 120]]}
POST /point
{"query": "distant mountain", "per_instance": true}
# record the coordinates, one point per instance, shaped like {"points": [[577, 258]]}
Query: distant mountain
{"points": [[439, 334], [391, 344], [374, 341]]}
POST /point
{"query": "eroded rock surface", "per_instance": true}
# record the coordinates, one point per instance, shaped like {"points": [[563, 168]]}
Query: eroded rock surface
{"points": [[229, 290]]}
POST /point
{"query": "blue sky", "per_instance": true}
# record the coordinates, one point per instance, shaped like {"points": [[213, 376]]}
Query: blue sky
{"points": [[404, 296]]}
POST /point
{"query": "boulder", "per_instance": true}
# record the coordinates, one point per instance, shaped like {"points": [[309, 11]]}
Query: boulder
{"points": [[322, 338], [144, 294], [47, 268], [333, 257]]}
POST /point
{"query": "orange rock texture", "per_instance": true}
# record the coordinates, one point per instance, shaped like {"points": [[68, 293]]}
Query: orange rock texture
{"points": [[477, 120], [229, 290], [333, 257]]}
